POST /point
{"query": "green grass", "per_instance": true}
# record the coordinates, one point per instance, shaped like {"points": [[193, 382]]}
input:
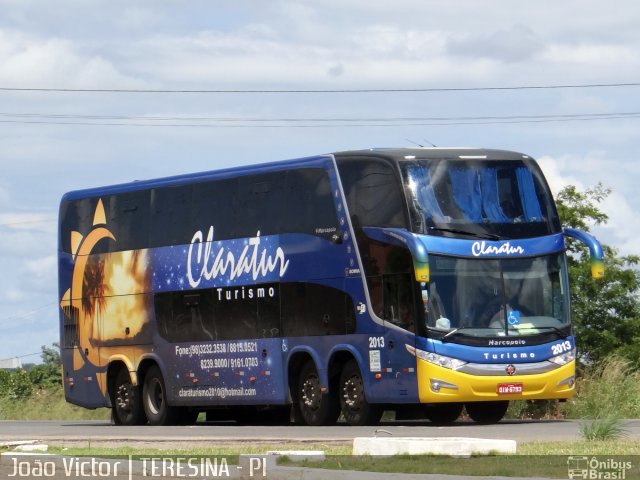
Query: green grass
{"points": [[611, 388], [581, 447], [47, 405], [602, 429]]}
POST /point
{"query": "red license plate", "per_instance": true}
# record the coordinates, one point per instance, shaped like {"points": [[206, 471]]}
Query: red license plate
{"points": [[509, 388]]}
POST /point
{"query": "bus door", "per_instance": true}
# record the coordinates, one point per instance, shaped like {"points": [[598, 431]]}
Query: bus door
{"points": [[400, 316]]}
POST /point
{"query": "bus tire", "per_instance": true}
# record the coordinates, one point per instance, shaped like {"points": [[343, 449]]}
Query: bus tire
{"points": [[126, 402], [316, 408], [154, 400], [487, 412], [355, 408], [443, 413]]}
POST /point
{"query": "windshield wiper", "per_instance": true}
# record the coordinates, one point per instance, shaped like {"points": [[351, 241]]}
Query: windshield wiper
{"points": [[488, 236], [555, 329], [449, 333]]}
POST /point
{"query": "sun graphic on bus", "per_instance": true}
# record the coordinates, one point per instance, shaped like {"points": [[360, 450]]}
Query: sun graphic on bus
{"points": [[86, 294]]}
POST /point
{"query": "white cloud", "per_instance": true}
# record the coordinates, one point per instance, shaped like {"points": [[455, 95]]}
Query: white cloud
{"points": [[620, 230], [555, 172], [29, 60]]}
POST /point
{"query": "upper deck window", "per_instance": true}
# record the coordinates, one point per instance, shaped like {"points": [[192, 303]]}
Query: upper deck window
{"points": [[507, 199]]}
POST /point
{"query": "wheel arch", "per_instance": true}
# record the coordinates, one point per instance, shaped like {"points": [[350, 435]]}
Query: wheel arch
{"points": [[295, 362]]}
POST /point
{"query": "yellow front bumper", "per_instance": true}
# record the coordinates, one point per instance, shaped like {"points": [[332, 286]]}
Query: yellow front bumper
{"points": [[558, 383]]}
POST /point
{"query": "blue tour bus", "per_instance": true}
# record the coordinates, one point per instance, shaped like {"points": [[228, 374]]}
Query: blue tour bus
{"points": [[418, 280]]}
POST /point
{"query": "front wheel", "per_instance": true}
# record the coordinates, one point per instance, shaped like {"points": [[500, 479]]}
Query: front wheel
{"points": [[487, 412], [314, 406], [443, 413], [154, 400], [126, 405], [355, 408]]}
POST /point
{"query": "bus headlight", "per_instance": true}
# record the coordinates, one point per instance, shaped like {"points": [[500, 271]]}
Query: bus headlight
{"points": [[564, 358], [435, 359]]}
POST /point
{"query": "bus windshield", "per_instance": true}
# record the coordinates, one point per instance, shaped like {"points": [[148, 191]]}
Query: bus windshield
{"points": [[498, 297], [491, 198]]}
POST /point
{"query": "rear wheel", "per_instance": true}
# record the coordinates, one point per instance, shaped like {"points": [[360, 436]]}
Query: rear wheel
{"points": [[154, 400], [314, 406], [443, 413], [126, 404], [355, 408], [487, 412]]}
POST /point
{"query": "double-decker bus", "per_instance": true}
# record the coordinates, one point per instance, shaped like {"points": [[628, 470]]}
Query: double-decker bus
{"points": [[421, 280]]}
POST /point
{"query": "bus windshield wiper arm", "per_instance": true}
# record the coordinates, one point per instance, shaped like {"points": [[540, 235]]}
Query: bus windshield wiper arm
{"points": [[556, 329], [488, 236], [444, 337]]}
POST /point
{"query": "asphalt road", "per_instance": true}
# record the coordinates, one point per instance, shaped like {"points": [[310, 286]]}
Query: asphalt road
{"points": [[209, 433]]}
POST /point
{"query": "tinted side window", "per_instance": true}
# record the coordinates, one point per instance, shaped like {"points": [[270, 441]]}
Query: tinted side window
{"points": [[214, 204], [260, 202], [309, 206], [233, 313], [389, 271], [373, 193], [128, 219], [169, 223], [186, 316], [312, 310], [127, 216], [291, 201]]}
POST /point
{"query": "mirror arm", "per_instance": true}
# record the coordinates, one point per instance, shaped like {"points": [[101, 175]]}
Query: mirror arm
{"points": [[596, 253]]}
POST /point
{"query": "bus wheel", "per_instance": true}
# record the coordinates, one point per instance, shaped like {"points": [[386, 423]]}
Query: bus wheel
{"points": [[154, 400], [443, 413], [126, 405], [487, 412], [316, 408], [355, 408]]}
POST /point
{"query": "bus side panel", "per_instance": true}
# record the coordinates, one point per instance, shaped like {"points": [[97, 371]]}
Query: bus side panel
{"points": [[232, 372], [105, 316]]}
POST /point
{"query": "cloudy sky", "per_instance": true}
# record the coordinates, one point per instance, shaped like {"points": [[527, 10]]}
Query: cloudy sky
{"points": [[53, 141]]}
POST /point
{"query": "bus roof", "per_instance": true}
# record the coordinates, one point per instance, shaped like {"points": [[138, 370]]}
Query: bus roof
{"points": [[462, 153], [397, 154]]}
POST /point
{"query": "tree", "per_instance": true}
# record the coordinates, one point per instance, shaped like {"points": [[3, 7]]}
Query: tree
{"points": [[606, 311], [51, 355], [49, 373]]}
